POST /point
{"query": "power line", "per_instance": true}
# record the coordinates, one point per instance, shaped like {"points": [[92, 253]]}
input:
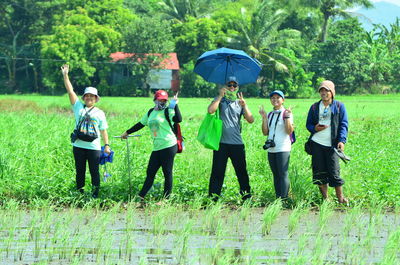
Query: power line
{"points": [[125, 62]]}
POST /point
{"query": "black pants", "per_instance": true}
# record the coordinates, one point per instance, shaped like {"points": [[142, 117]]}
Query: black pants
{"points": [[325, 166], [220, 159], [163, 158], [82, 155], [279, 164]]}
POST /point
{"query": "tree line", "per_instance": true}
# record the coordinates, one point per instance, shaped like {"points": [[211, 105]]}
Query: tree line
{"points": [[300, 42]]}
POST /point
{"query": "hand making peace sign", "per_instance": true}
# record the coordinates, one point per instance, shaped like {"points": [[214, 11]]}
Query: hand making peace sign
{"points": [[242, 102]]}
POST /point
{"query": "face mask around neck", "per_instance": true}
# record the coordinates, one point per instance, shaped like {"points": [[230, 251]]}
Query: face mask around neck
{"points": [[159, 105], [231, 95]]}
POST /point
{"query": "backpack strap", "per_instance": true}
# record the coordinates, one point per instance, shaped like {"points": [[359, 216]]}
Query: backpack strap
{"points": [[149, 112], [166, 113], [83, 117], [269, 115]]}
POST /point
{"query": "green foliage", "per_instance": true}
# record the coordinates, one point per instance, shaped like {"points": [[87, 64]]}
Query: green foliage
{"points": [[194, 85], [297, 83], [195, 37], [148, 35], [80, 42], [35, 39], [340, 58], [143, 36], [180, 11]]}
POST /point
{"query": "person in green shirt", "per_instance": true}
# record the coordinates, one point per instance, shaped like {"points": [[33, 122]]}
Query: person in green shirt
{"points": [[164, 140]]}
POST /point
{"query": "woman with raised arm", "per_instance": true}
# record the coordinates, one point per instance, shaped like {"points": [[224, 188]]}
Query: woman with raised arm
{"points": [[91, 125]]}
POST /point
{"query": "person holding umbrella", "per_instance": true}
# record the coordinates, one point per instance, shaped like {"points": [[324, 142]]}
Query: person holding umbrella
{"points": [[164, 140], [232, 107], [87, 149]]}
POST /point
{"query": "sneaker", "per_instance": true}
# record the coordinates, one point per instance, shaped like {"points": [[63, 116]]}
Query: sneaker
{"points": [[341, 155]]}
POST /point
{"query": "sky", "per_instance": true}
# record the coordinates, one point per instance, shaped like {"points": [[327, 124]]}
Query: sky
{"points": [[396, 2]]}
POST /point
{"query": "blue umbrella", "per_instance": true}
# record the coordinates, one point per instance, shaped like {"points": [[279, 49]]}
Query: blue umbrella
{"points": [[217, 65]]}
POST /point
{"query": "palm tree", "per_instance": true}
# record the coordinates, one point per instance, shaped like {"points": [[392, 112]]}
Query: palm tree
{"points": [[332, 8], [178, 10], [259, 34]]}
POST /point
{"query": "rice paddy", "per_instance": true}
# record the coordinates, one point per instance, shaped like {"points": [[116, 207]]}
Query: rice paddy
{"points": [[43, 220], [171, 234]]}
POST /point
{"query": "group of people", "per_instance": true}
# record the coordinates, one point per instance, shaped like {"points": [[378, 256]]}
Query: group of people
{"points": [[326, 121]]}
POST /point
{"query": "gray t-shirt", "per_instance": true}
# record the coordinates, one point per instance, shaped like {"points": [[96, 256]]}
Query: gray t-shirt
{"points": [[230, 114]]}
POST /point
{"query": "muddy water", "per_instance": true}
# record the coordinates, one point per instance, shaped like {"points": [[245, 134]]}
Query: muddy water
{"points": [[171, 236]]}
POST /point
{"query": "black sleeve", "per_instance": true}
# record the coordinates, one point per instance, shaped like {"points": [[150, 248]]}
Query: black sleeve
{"points": [[178, 117], [135, 128]]}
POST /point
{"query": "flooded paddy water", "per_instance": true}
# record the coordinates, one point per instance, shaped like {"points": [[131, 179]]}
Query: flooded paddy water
{"points": [[215, 235]]}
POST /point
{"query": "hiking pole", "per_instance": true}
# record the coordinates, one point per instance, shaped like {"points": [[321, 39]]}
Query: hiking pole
{"points": [[129, 162]]}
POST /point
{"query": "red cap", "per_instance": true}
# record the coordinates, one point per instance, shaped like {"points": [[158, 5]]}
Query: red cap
{"points": [[160, 94]]}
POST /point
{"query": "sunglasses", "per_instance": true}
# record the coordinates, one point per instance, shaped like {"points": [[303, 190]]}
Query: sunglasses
{"points": [[232, 85]]}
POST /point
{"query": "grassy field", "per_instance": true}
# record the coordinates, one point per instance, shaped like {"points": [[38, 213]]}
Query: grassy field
{"points": [[36, 163]]}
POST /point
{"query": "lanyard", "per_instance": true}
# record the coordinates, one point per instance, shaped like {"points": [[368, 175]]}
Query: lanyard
{"points": [[276, 122]]}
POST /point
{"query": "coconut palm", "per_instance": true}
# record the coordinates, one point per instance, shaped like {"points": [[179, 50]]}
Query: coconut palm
{"points": [[259, 34], [178, 10], [333, 8]]}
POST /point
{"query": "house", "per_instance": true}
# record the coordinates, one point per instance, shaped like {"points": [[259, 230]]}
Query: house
{"points": [[163, 75]]}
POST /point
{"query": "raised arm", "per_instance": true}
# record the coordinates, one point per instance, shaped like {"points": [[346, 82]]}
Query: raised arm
{"points": [[246, 111], [287, 117], [214, 105], [264, 125], [72, 96]]}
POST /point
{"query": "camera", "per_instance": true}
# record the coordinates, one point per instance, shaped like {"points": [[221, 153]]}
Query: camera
{"points": [[269, 143]]}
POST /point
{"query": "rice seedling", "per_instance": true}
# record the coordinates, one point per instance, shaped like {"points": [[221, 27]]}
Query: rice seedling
{"points": [[353, 216], [159, 220], [245, 210], [300, 256], [298, 212], [182, 242], [212, 221], [392, 249], [325, 212], [248, 255], [269, 216], [320, 250]]}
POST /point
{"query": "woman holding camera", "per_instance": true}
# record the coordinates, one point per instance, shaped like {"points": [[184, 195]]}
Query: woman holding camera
{"points": [[278, 125], [86, 146]]}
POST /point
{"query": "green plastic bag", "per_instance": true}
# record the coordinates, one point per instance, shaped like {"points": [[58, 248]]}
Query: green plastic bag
{"points": [[210, 131]]}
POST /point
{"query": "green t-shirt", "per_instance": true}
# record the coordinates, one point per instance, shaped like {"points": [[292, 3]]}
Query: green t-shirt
{"points": [[161, 133]]}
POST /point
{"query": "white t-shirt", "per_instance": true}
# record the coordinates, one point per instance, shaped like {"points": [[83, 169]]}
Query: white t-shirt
{"points": [[98, 118], [282, 139], [324, 137]]}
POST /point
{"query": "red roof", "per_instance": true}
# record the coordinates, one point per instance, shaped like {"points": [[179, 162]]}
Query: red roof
{"points": [[170, 62]]}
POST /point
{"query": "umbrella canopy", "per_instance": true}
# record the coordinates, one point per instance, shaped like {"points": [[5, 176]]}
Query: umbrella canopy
{"points": [[217, 65]]}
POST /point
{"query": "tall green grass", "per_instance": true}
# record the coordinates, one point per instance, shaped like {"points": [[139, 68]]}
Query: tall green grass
{"points": [[36, 160]]}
